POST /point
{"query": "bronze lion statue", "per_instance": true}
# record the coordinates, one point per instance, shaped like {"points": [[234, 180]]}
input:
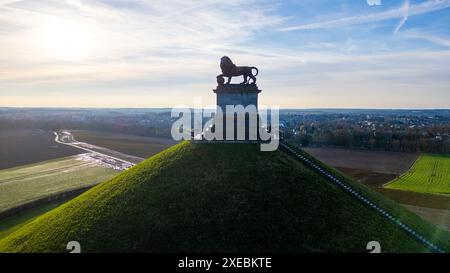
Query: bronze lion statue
{"points": [[229, 70]]}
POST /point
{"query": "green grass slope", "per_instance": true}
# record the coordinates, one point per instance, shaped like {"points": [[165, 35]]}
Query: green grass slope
{"points": [[214, 198]]}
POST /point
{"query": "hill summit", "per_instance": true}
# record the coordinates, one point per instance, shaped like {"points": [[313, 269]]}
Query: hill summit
{"points": [[198, 197]]}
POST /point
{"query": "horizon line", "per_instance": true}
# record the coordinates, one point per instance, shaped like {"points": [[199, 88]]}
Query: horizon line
{"points": [[168, 107]]}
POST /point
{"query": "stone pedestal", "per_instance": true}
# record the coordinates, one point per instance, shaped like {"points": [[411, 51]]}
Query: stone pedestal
{"points": [[237, 95]]}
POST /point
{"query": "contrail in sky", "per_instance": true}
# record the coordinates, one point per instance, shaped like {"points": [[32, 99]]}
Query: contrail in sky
{"points": [[405, 9]]}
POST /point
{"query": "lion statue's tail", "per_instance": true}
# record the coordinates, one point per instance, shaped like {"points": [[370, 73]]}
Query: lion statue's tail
{"points": [[256, 70]]}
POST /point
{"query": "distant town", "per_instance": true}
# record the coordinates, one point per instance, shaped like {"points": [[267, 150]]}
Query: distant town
{"points": [[389, 130]]}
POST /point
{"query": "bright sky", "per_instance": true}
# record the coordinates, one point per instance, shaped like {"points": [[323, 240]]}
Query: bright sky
{"points": [[144, 53]]}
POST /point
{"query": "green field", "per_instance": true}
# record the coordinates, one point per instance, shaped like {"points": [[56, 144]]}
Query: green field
{"points": [[12, 223], [228, 198], [429, 174], [28, 183]]}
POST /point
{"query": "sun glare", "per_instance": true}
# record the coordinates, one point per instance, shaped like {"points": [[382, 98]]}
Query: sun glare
{"points": [[64, 40]]}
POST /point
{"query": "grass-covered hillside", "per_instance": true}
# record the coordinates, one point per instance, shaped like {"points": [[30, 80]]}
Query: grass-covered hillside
{"points": [[216, 198]]}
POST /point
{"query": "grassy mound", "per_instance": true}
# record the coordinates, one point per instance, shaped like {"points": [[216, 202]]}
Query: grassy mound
{"points": [[215, 198]]}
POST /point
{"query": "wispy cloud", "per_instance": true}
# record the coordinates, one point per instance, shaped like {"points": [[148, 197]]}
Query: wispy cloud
{"points": [[416, 34], [5, 2], [154, 39], [409, 10], [161, 53]]}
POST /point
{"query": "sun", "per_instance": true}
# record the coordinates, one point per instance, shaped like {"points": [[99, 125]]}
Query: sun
{"points": [[64, 40]]}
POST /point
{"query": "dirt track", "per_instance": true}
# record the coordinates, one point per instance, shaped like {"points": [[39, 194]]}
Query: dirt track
{"points": [[100, 155]]}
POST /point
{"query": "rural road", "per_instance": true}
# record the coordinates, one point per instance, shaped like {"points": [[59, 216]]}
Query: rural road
{"points": [[66, 138]]}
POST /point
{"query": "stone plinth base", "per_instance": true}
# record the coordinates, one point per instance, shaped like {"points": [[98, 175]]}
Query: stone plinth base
{"points": [[237, 95]]}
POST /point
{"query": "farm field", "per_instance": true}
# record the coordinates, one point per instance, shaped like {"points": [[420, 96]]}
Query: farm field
{"points": [[439, 217], [20, 147], [247, 198], [374, 170], [367, 177], [133, 145], [374, 161], [430, 174], [24, 184]]}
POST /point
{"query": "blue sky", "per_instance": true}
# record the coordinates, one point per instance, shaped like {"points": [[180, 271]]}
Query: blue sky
{"points": [[139, 53]]}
